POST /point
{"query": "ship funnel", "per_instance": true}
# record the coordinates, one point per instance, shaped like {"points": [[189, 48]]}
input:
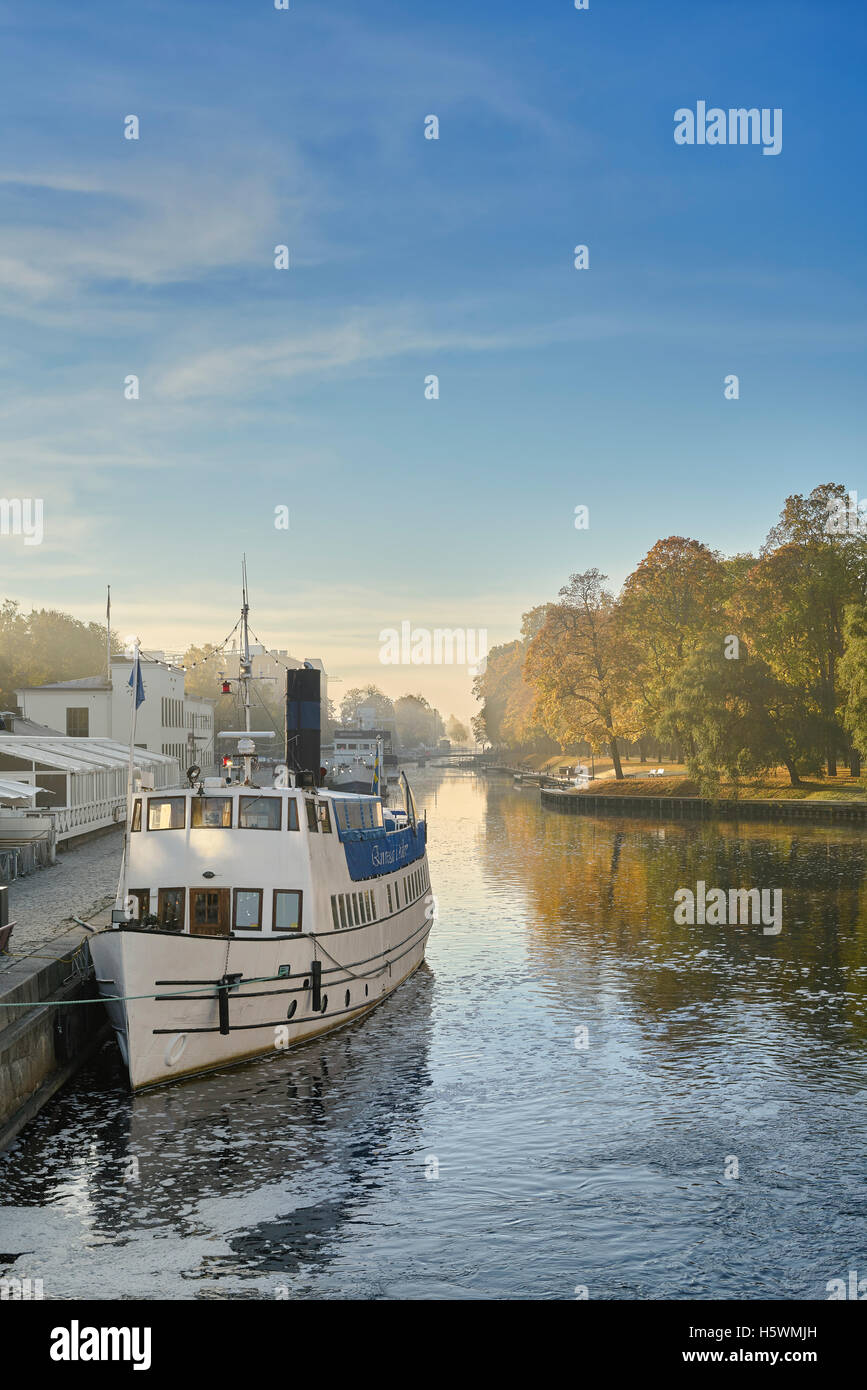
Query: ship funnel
{"points": [[303, 718]]}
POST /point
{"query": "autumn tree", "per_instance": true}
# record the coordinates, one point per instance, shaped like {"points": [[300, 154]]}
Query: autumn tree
{"points": [[508, 715], [575, 661]]}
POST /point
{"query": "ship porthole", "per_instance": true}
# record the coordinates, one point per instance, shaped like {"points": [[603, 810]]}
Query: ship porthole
{"points": [[175, 1049], [324, 1005], [347, 998], [292, 1007]]}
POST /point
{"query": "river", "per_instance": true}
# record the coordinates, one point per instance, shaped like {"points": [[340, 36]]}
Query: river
{"points": [[574, 1097]]}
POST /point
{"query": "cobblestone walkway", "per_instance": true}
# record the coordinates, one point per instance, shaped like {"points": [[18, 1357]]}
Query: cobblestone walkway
{"points": [[80, 883]]}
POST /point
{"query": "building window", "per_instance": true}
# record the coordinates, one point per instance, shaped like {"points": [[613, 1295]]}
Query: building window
{"points": [[170, 907], [167, 812], [214, 812], [259, 813], [248, 909], [77, 723], [287, 910]]}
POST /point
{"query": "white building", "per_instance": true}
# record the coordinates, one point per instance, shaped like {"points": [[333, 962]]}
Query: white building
{"points": [[80, 784], [169, 722]]}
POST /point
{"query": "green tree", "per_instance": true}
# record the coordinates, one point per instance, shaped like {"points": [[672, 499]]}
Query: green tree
{"points": [[739, 719], [667, 607], [791, 604], [417, 721], [47, 645], [365, 695], [456, 731]]}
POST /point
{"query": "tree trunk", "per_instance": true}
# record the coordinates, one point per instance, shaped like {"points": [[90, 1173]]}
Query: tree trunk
{"points": [[854, 763], [615, 758], [793, 776]]}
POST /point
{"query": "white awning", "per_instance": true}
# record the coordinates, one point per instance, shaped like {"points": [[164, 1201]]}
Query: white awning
{"points": [[14, 793], [76, 754]]}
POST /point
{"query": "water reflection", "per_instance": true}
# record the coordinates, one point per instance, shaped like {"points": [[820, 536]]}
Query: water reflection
{"points": [[555, 1164], [602, 893]]}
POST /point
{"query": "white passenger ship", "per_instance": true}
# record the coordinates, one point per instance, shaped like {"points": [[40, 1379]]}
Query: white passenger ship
{"points": [[255, 917]]}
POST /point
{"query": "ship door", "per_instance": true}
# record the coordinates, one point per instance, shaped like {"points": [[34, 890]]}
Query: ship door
{"points": [[209, 912]]}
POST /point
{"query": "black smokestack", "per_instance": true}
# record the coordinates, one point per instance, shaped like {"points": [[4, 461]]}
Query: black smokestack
{"points": [[303, 714]]}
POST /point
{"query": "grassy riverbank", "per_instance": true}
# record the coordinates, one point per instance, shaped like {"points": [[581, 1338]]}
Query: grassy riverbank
{"points": [[774, 786]]}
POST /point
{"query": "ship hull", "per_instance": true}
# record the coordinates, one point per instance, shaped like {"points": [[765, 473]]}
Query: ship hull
{"points": [[174, 1017]]}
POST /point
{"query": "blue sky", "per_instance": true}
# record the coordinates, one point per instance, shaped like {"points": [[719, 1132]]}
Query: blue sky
{"points": [[409, 257]]}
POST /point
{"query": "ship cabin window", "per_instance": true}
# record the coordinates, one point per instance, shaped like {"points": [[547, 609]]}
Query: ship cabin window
{"points": [[355, 915], [312, 818], [388, 892], [287, 911], [358, 815], [170, 907], [259, 812], [291, 813], [213, 812], [209, 912], [142, 899], [136, 814], [334, 917], [167, 812], [324, 818], [248, 909], [341, 902]]}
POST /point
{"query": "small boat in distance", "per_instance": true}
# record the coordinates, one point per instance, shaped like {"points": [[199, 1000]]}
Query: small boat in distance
{"points": [[353, 761], [253, 917]]}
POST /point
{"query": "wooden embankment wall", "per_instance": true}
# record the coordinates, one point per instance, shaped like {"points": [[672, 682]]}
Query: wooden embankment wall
{"points": [[698, 808]]}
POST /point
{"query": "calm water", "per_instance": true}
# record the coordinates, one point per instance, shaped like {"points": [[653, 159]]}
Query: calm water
{"points": [[557, 1166]]}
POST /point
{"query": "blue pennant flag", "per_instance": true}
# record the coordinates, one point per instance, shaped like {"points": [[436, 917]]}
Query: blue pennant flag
{"points": [[135, 681]]}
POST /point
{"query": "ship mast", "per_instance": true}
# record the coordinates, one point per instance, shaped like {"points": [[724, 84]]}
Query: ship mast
{"points": [[245, 669]]}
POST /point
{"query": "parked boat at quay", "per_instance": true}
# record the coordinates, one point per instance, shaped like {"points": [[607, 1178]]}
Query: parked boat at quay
{"points": [[251, 918]]}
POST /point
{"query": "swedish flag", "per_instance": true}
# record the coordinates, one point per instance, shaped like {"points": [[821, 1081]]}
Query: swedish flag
{"points": [[375, 789]]}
